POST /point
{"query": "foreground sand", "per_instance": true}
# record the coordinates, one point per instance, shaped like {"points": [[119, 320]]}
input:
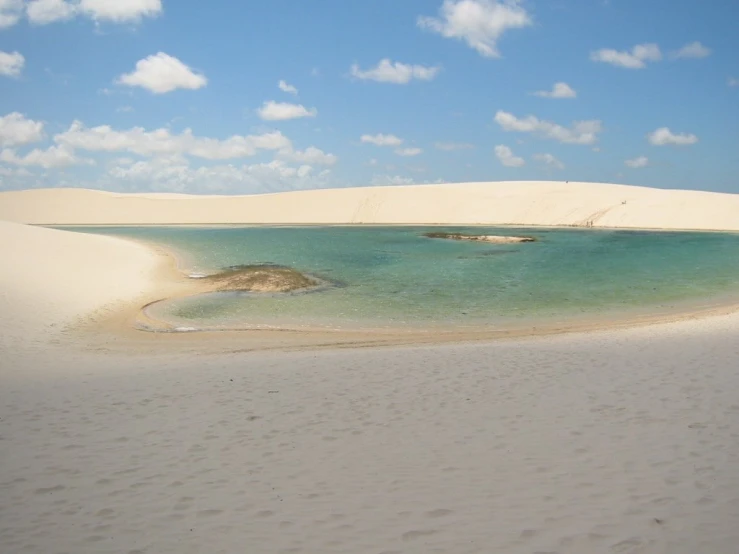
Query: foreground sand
{"points": [[609, 442], [615, 441], [509, 203]]}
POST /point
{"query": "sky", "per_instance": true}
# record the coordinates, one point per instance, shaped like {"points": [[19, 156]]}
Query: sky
{"points": [[226, 97]]}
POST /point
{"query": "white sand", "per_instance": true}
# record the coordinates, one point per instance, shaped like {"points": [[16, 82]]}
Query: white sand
{"points": [[574, 444], [515, 203], [615, 441], [52, 279]]}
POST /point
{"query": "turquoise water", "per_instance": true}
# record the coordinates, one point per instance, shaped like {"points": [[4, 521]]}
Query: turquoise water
{"points": [[395, 277]]}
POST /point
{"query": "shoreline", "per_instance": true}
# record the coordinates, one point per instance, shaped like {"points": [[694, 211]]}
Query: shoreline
{"points": [[171, 282], [115, 324], [471, 225]]}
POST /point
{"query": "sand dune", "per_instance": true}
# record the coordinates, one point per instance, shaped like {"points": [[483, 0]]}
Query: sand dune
{"points": [[50, 279], [513, 203]]}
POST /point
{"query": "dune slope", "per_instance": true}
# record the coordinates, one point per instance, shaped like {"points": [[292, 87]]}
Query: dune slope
{"points": [[502, 203], [50, 279]]}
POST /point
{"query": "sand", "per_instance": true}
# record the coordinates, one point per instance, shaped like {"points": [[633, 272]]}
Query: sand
{"points": [[52, 279], [509, 203], [621, 440]]}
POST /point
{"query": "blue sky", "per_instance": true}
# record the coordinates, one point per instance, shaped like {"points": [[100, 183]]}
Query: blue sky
{"points": [[183, 96]]}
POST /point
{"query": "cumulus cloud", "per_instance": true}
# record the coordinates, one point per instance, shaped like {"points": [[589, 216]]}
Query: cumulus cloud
{"points": [[10, 12], [663, 136], [549, 160], [381, 140], [559, 90], [640, 161], [408, 151], [42, 12], [16, 129], [399, 73], [637, 58], [281, 111], [162, 73], [694, 50], [176, 175], [391, 180], [285, 87], [311, 155], [11, 63], [54, 156], [162, 142], [506, 157], [14, 172], [452, 146], [120, 11], [580, 132], [479, 23]]}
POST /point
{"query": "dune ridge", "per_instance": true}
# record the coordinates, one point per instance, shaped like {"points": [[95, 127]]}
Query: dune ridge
{"points": [[537, 203]]}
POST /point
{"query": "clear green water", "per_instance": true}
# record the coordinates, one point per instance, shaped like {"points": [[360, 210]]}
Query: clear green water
{"points": [[395, 277]]}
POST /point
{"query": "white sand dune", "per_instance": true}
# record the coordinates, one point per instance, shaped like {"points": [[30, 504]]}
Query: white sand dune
{"points": [[621, 441], [513, 203], [51, 279]]}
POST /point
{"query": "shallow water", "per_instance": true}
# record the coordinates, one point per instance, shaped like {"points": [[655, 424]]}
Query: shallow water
{"points": [[395, 277]]}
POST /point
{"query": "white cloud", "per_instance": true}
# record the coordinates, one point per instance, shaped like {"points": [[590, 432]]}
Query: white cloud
{"points": [[285, 87], [549, 160], [15, 130], [559, 90], [120, 11], [162, 142], [10, 12], [310, 155], [452, 146], [693, 50], [162, 73], [54, 156], [399, 73], [408, 151], [636, 59], [281, 111], [664, 136], [381, 140], [13, 172], [175, 174], [124, 109], [479, 23], [11, 63], [41, 12], [506, 157], [732, 82], [641, 161], [391, 180], [580, 132]]}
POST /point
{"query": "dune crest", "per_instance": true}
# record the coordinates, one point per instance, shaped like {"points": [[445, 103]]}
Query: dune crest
{"points": [[500, 203]]}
